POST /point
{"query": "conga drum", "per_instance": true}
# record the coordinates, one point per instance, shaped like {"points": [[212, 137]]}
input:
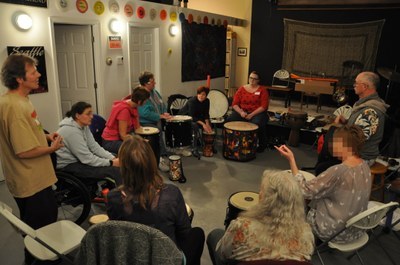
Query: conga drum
{"points": [[153, 136], [178, 131], [208, 139], [240, 140], [238, 202], [295, 120]]}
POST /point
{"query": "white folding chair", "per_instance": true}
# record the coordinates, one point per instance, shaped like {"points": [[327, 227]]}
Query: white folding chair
{"points": [[366, 220], [51, 242]]}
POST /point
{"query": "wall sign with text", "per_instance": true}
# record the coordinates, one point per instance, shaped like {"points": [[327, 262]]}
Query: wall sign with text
{"points": [[38, 3], [36, 52]]}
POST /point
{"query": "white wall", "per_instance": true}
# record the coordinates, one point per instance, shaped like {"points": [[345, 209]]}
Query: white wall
{"points": [[113, 81]]}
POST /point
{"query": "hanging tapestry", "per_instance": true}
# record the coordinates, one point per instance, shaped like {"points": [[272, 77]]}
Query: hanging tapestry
{"points": [[315, 49], [203, 51]]}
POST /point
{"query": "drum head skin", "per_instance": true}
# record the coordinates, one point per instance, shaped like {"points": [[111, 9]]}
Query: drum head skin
{"points": [[147, 131], [218, 104], [244, 200], [180, 118], [98, 218], [307, 175], [241, 126]]}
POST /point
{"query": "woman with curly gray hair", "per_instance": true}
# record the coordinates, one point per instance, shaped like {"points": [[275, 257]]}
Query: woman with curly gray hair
{"points": [[274, 229]]}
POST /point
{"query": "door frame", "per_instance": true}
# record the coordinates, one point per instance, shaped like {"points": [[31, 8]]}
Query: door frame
{"points": [[96, 51], [157, 63]]}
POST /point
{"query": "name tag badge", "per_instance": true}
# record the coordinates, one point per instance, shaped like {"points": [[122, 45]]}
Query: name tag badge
{"points": [[257, 93]]}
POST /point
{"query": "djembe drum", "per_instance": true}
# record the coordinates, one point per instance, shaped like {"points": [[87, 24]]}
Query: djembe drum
{"points": [[240, 140], [296, 120], [175, 169], [152, 135], [238, 202], [208, 139]]}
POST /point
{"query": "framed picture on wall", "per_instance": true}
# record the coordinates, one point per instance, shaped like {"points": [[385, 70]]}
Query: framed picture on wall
{"points": [[242, 51]]}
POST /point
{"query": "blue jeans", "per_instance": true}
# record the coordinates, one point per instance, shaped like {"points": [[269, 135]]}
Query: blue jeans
{"points": [[112, 146]]}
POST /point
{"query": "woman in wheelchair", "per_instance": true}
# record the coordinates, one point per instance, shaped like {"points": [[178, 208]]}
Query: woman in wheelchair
{"points": [[340, 192], [144, 198], [81, 155], [199, 109]]}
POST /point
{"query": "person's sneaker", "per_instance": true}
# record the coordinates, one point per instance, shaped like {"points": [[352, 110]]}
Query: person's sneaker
{"points": [[163, 165], [183, 152]]}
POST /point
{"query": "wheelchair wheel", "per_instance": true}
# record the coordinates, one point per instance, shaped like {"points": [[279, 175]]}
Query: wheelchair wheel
{"points": [[73, 198]]}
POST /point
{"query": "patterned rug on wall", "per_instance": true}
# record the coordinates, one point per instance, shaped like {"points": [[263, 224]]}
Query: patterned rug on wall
{"points": [[315, 49]]}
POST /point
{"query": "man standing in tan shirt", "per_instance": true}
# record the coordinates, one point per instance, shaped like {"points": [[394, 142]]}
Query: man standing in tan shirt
{"points": [[24, 151]]}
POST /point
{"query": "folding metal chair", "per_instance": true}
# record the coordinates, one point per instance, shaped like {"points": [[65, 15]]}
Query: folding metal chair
{"points": [[51, 242], [366, 220]]}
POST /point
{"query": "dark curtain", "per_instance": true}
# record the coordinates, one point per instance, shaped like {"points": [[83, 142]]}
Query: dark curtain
{"points": [[203, 51]]}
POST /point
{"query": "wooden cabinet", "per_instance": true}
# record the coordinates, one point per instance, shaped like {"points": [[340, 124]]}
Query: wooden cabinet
{"points": [[230, 63]]}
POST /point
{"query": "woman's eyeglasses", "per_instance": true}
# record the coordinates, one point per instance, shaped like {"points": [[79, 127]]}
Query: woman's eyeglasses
{"points": [[253, 78]]}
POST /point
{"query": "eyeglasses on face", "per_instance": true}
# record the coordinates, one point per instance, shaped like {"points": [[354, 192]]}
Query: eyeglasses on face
{"points": [[253, 78]]}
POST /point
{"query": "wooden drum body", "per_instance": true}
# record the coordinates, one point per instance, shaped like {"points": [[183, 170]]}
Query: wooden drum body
{"points": [[295, 120], [153, 136], [208, 139], [238, 202], [240, 140], [178, 131]]}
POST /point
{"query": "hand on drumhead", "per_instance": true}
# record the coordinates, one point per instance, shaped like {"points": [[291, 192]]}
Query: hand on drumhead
{"points": [[285, 151], [207, 128], [166, 116]]}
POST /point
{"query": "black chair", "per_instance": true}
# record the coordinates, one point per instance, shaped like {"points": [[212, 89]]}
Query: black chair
{"points": [[97, 126]]}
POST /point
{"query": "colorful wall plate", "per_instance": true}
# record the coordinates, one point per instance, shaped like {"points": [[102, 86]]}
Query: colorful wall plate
{"points": [[190, 18], [205, 20], [163, 14], [153, 14], [98, 8], [173, 16], [181, 17], [198, 19], [225, 23], [82, 6], [212, 21], [140, 12], [128, 10], [114, 6], [219, 22]]}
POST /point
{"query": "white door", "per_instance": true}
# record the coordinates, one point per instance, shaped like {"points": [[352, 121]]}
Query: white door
{"points": [[142, 52], [74, 50]]}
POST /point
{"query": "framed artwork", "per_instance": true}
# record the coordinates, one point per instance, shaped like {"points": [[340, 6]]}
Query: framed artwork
{"points": [[242, 51]]}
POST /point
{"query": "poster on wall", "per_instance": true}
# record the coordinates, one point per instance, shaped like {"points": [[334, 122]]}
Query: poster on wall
{"points": [[38, 3], [36, 52]]}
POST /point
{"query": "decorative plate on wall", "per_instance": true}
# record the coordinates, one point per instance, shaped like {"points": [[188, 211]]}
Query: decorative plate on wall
{"points": [[205, 20], [140, 12], [153, 14], [82, 6], [173, 16], [198, 19], [163, 14], [190, 18], [98, 8], [225, 23], [182, 17], [113, 6], [219, 22], [128, 10]]}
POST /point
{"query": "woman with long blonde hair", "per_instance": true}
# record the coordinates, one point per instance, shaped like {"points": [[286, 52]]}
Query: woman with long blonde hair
{"points": [[274, 229]]}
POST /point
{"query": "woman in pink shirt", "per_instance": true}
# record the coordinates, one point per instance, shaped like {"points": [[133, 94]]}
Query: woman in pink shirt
{"points": [[123, 120], [250, 104]]}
